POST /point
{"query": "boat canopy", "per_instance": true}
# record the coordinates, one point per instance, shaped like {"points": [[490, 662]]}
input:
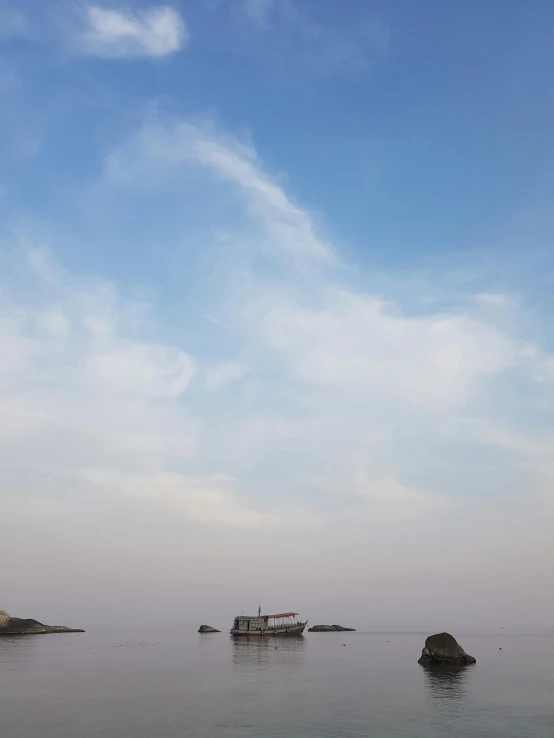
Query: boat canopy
{"points": [[282, 615]]}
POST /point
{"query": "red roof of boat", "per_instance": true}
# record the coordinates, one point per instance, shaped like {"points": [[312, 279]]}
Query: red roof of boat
{"points": [[284, 615]]}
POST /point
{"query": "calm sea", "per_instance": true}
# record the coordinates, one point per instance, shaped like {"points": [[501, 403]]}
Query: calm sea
{"points": [[147, 684]]}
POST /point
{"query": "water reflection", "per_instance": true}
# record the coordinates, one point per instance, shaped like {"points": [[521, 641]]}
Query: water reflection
{"points": [[261, 652], [15, 651], [446, 682]]}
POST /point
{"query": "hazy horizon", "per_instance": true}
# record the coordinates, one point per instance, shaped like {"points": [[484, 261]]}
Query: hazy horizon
{"points": [[276, 313]]}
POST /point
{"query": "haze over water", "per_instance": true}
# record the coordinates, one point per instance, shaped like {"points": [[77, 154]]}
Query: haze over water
{"points": [[168, 684]]}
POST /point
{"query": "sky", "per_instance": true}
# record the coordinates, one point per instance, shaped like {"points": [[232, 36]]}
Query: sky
{"points": [[276, 311]]}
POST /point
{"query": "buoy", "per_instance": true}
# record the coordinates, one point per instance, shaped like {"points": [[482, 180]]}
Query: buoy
{"points": [[344, 644]]}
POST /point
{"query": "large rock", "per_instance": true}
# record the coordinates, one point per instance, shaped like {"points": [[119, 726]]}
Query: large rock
{"points": [[328, 628], [5, 619], [208, 629], [444, 649], [21, 626]]}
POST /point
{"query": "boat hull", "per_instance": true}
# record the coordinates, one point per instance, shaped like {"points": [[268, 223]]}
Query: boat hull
{"points": [[282, 632]]}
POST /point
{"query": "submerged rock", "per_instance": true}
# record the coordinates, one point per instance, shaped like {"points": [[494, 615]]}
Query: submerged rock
{"points": [[443, 648], [28, 626], [208, 629], [328, 628]]}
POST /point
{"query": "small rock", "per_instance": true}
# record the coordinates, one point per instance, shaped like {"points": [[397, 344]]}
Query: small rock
{"points": [[208, 629], [328, 629]]}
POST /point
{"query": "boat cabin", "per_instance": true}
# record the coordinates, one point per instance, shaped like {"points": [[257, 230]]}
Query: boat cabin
{"points": [[281, 623]]}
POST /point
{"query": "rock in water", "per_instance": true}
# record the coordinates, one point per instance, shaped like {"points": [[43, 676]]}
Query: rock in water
{"points": [[328, 629], [22, 626], [444, 649], [208, 629]]}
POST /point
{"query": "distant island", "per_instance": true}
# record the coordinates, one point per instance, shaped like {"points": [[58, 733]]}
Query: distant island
{"points": [[328, 629], [10, 626]]}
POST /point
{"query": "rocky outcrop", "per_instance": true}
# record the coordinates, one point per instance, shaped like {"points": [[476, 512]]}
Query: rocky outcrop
{"points": [[207, 629], [328, 628], [443, 648], [22, 626]]}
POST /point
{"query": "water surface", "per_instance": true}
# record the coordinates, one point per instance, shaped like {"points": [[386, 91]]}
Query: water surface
{"points": [[148, 684]]}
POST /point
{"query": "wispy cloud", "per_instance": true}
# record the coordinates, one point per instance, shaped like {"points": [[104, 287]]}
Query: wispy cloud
{"points": [[291, 33], [13, 23], [94, 403], [283, 395], [354, 367], [123, 33], [208, 501], [258, 11], [161, 149], [223, 373], [41, 263], [358, 343]]}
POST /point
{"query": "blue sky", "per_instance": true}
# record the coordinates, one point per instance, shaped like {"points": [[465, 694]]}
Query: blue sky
{"points": [[276, 276]]}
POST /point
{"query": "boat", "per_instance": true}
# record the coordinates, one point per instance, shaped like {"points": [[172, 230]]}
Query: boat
{"points": [[282, 624]]}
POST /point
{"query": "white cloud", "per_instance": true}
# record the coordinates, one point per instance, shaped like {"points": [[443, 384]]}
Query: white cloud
{"points": [[532, 447], [331, 338], [41, 262], [71, 394], [88, 403], [114, 34], [17, 348], [151, 370], [54, 323], [161, 149], [544, 369], [359, 343], [492, 299], [357, 421], [204, 500], [386, 497], [224, 373]]}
